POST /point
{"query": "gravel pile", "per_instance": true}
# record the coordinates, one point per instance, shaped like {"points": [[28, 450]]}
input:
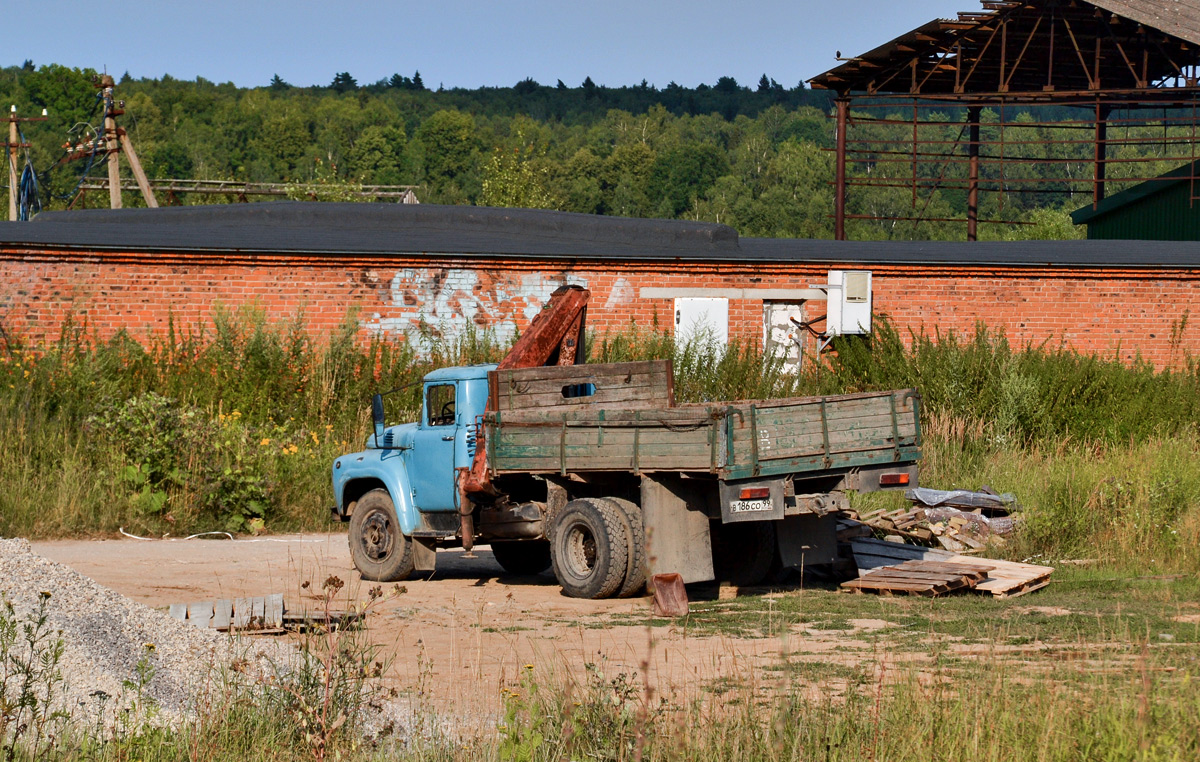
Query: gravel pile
{"points": [[106, 635]]}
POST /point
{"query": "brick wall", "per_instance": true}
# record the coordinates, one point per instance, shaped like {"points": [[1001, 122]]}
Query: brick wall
{"points": [[1090, 309]]}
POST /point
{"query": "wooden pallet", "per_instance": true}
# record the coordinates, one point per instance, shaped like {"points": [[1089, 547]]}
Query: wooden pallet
{"points": [[1005, 579], [928, 578]]}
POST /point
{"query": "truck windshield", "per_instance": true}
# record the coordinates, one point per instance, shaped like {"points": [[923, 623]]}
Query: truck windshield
{"points": [[439, 405]]}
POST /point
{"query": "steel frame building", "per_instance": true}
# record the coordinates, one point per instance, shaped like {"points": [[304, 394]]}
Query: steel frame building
{"points": [[1109, 90]]}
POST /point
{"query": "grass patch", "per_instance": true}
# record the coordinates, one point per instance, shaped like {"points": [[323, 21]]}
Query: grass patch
{"points": [[1080, 605]]}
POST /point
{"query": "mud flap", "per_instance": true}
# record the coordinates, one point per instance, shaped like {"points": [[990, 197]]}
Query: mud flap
{"points": [[424, 553], [677, 536]]}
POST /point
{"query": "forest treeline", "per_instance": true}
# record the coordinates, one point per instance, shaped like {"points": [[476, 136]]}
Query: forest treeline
{"points": [[754, 157]]}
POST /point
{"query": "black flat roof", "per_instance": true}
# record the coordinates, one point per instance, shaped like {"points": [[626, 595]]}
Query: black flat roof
{"points": [[315, 229]]}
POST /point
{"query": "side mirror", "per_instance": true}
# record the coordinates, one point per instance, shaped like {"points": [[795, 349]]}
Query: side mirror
{"points": [[377, 415]]}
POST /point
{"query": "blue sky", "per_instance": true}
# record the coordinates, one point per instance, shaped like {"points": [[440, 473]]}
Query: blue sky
{"points": [[465, 43]]}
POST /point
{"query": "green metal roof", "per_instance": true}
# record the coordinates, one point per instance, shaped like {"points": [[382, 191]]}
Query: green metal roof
{"points": [[1129, 196]]}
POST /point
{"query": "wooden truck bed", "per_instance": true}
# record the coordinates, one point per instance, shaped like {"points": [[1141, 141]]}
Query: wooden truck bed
{"points": [[621, 417]]}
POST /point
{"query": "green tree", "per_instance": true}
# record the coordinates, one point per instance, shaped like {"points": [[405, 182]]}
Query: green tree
{"points": [[1047, 225], [450, 144], [67, 94], [375, 158], [512, 178], [682, 174], [343, 82]]}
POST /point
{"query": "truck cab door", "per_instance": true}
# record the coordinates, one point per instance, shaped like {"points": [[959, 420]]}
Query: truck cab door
{"points": [[432, 458]]}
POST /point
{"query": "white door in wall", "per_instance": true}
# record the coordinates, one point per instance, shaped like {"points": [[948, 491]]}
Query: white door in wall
{"points": [[703, 319], [782, 338]]}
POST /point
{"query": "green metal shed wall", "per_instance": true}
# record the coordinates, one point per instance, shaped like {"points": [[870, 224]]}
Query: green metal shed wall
{"points": [[1169, 215]]}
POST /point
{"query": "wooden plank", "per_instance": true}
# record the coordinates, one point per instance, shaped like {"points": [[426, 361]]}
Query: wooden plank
{"points": [[916, 576], [594, 416], [178, 611], [258, 608], [273, 613], [560, 372], [624, 396], [876, 424], [599, 436], [787, 436], [656, 379], [200, 614], [1028, 587], [222, 614], [978, 572], [865, 583], [903, 398], [241, 613]]}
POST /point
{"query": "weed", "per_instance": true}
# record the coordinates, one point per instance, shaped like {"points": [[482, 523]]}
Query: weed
{"points": [[30, 681]]}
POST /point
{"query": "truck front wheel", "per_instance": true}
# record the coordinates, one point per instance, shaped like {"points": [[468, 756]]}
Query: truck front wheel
{"points": [[379, 551], [589, 549]]}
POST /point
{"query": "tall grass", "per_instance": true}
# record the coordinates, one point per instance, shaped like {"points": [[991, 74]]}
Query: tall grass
{"points": [[233, 424], [989, 709], [224, 426], [992, 709]]}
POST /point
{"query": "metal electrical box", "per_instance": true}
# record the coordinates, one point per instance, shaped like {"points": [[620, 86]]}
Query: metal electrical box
{"points": [[849, 302]]}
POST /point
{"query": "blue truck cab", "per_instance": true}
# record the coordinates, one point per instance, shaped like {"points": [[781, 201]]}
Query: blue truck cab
{"points": [[409, 471]]}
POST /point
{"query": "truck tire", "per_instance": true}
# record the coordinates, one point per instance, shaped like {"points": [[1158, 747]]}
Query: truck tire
{"points": [[522, 558], [589, 549], [638, 565], [743, 552], [379, 551]]}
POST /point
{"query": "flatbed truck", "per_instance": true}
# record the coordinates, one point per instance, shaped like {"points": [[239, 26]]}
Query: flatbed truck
{"points": [[595, 471]]}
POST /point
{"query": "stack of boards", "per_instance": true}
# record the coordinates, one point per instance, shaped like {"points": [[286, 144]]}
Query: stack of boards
{"points": [[260, 613], [264, 614], [894, 568]]}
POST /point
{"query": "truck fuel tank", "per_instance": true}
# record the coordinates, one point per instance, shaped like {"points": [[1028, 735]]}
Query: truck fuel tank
{"points": [[512, 521]]}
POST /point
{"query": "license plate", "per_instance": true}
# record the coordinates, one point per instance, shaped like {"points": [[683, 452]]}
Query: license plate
{"points": [[746, 506]]}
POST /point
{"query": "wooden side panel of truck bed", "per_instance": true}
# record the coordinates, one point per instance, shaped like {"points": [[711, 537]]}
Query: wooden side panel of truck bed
{"points": [[734, 440]]}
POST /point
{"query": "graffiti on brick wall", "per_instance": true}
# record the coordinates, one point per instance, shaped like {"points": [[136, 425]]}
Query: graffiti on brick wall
{"points": [[436, 304], [620, 295]]}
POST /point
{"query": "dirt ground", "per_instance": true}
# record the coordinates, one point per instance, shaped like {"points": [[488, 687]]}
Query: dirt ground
{"points": [[456, 638]]}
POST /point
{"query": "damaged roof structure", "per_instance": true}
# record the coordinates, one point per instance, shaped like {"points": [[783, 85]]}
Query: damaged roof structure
{"points": [[1115, 63]]}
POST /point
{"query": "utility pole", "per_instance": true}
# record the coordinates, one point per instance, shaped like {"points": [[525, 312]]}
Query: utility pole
{"points": [[117, 141], [14, 145], [113, 142]]}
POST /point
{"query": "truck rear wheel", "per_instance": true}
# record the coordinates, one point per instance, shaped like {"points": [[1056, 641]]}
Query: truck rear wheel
{"points": [[524, 557], [635, 576], [743, 552], [379, 551], [589, 548]]}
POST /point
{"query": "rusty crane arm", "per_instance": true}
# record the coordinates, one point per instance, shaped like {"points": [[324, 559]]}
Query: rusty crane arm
{"points": [[555, 337]]}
